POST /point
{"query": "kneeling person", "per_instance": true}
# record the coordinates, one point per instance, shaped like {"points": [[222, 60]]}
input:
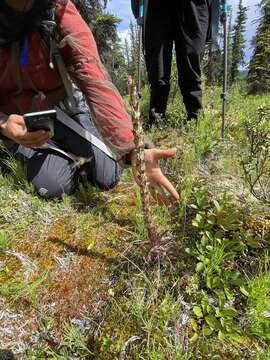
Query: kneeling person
{"points": [[32, 79]]}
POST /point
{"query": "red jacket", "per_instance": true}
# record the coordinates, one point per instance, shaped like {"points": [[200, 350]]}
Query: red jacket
{"points": [[35, 86]]}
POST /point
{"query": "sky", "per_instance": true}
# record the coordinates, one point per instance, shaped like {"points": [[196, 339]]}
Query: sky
{"points": [[122, 9]]}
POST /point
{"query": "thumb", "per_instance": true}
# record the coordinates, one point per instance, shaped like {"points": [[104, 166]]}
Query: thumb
{"points": [[163, 154]]}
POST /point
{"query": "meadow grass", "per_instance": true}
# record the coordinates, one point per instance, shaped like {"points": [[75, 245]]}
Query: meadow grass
{"points": [[78, 269]]}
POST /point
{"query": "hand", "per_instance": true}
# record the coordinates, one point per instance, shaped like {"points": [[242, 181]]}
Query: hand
{"points": [[160, 187], [14, 128]]}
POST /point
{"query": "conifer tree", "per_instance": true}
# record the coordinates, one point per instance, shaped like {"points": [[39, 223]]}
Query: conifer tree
{"points": [[213, 60], [230, 44], [259, 67], [89, 9], [102, 24], [238, 42], [131, 48]]}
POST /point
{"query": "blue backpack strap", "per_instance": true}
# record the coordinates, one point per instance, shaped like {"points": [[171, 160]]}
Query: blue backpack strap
{"points": [[23, 45], [23, 57]]}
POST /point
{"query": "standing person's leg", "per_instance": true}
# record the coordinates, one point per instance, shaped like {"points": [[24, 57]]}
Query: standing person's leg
{"points": [[191, 21], [158, 55]]}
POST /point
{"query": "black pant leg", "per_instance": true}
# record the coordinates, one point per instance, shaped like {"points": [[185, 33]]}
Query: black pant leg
{"points": [[191, 22], [101, 170], [158, 54], [51, 174]]}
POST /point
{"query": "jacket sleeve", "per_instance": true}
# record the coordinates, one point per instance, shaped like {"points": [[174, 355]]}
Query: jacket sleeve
{"points": [[80, 54]]}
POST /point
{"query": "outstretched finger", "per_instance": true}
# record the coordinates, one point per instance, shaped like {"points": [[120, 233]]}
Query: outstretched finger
{"points": [[163, 154], [163, 181]]}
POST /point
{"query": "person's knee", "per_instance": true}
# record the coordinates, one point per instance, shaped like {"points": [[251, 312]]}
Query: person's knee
{"points": [[51, 188], [53, 184], [109, 178], [51, 175]]}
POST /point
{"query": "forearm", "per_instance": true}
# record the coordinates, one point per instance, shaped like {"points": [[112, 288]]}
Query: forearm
{"points": [[107, 109], [80, 54]]}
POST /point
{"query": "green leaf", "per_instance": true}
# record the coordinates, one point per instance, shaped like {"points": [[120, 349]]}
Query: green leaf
{"points": [[194, 338], [204, 241], [206, 331], [111, 292], [198, 221], [209, 281], [221, 335], [223, 322], [189, 251], [218, 312], [199, 267], [195, 223], [217, 205], [244, 291], [229, 328], [236, 337], [91, 245], [212, 322], [205, 304], [193, 324], [211, 219], [230, 312], [216, 281], [229, 294], [221, 297], [198, 311]]}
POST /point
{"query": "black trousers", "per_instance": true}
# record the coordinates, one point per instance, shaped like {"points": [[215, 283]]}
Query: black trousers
{"points": [[185, 23], [54, 174]]}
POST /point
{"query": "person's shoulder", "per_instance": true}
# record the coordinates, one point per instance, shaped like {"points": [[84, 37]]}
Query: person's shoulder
{"points": [[60, 9], [60, 5], [61, 2]]}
